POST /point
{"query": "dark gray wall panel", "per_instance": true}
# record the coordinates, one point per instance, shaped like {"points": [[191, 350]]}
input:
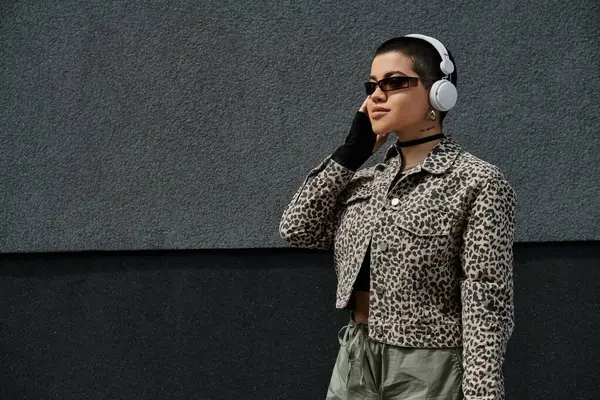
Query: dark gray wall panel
{"points": [[252, 324], [174, 125]]}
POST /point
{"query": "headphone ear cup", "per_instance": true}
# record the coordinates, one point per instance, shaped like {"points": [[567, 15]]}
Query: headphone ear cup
{"points": [[442, 95]]}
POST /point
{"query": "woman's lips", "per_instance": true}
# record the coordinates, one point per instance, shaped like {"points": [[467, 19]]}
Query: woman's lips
{"points": [[378, 114]]}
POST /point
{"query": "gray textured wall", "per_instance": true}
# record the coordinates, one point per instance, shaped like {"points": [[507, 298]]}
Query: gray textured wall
{"points": [[171, 125]]}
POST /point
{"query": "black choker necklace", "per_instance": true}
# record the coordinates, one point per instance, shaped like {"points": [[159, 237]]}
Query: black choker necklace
{"points": [[419, 141]]}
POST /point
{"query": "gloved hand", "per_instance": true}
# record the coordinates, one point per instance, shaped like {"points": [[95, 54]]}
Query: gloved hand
{"points": [[360, 143]]}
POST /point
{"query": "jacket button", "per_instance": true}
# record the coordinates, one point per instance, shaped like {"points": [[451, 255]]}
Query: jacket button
{"points": [[379, 289], [383, 246], [395, 201]]}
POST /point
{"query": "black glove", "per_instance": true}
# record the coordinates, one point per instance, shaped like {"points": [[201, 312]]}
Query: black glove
{"points": [[359, 144]]}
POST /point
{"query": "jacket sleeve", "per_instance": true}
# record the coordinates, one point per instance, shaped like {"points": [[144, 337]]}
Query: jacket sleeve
{"points": [[487, 289], [310, 220]]}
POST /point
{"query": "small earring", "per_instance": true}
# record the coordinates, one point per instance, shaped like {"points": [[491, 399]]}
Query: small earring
{"points": [[432, 115]]}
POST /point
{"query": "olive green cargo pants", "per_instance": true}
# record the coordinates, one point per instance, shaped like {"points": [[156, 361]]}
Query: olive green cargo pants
{"points": [[367, 369]]}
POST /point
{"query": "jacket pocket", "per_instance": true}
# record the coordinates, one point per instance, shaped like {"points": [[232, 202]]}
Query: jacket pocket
{"points": [[426, 222]]}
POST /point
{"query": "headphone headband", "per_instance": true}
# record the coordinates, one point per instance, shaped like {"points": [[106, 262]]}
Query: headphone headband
{"points": [[442, 94], [446, 65]]}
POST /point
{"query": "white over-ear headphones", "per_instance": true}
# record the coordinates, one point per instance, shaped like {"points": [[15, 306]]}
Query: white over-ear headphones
{"points": [[442, 95]]}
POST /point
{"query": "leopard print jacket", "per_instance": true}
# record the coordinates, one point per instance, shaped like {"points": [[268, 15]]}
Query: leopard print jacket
{"points": [[441, 241]]}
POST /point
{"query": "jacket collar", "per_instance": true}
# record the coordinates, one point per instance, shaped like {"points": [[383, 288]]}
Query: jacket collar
{"points": [[439, 159]]}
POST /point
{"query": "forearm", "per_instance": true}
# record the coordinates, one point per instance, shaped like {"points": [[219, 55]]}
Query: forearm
{"points": [[487, 289], [310, 219], [488, 322]]}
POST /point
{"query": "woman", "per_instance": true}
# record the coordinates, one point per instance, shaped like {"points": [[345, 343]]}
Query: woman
{"points": [[422, 241]]}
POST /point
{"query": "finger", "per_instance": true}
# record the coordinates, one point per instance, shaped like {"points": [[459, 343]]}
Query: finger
{"points": [[363, 108]]}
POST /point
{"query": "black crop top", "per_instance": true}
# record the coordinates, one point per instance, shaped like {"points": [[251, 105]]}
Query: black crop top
{"points": [[363, 279]]}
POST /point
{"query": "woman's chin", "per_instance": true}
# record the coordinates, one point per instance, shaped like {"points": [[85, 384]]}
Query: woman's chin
{"points": [[380, 129]]}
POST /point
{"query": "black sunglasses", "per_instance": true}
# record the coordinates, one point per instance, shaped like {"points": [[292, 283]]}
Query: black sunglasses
{"points": [[393, 83]]}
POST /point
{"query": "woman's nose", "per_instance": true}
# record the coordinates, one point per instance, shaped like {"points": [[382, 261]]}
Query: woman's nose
{"points": [[378, 94]]}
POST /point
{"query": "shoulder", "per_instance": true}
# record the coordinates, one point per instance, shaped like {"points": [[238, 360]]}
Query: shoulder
{"points": [[482, 175], [476, 168]]}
